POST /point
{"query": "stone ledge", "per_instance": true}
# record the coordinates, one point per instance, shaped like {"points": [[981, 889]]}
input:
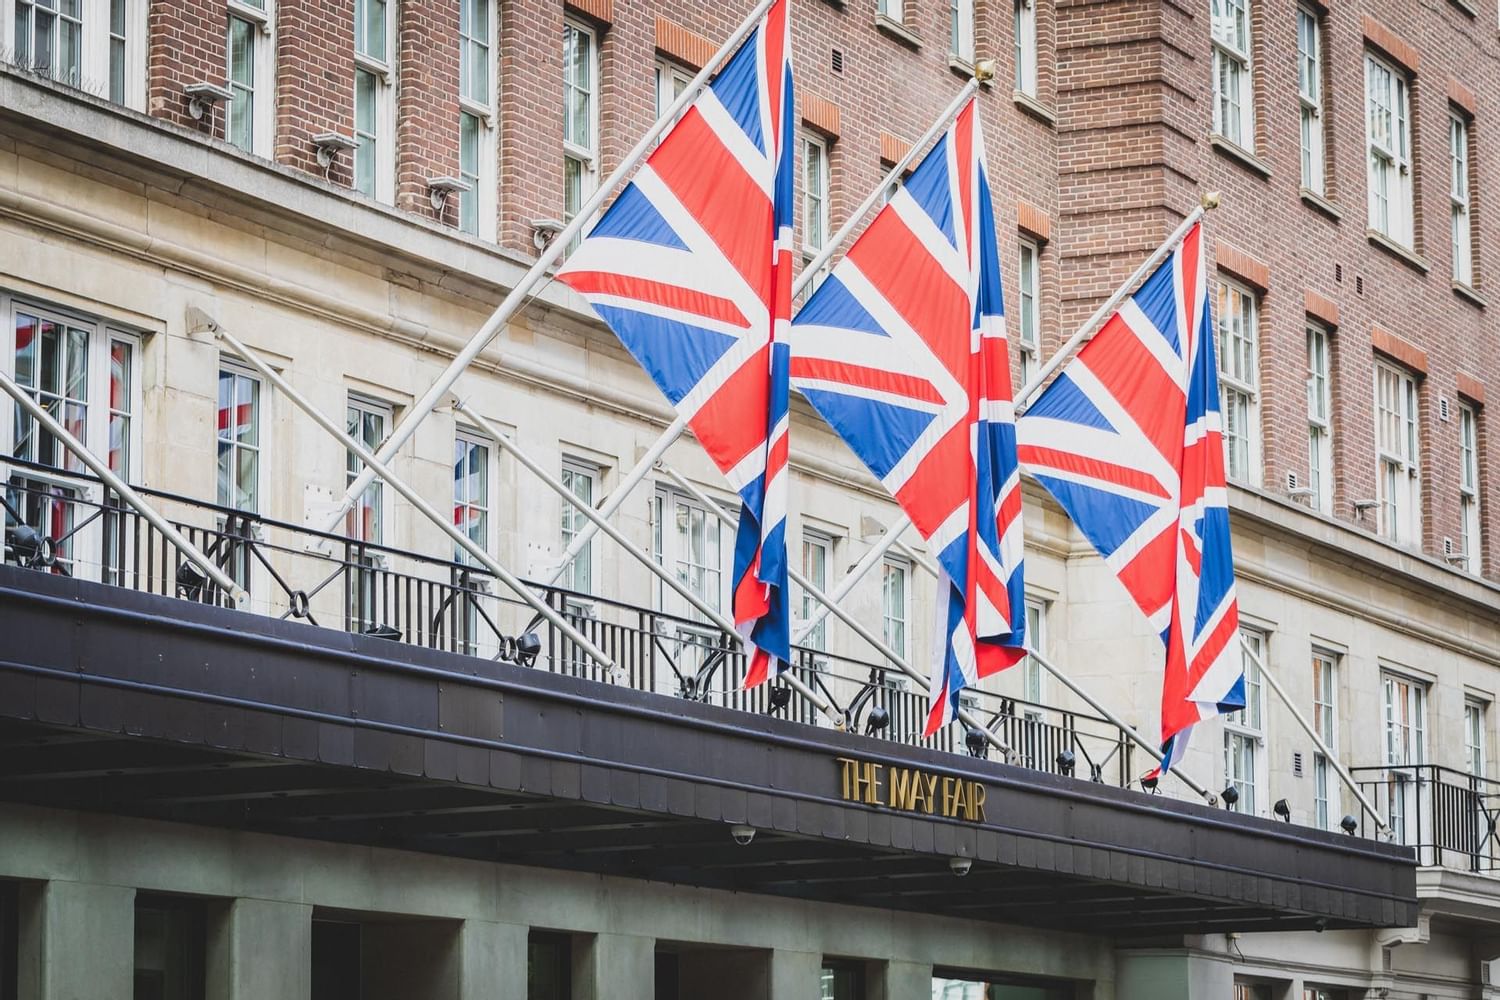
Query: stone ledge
{"points": [[893, 28], [1243, 157], [1312, 199], [1404, 254]]}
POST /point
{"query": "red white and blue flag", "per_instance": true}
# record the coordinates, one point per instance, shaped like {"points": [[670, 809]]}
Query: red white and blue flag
{"points": [[692, 269], [902, 350], [1129, 439]]}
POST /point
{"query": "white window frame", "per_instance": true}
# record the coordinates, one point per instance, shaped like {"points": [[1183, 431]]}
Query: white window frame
{"points": [[1245, 732], [1459, 198], [1034, 675], [669, 80], [262, 22], [1325, 685], [813, 205], [472, 439], [1320, 416], [814, 541], [1388, 154], [1237, 323], [94, 69], [893, 10], [585, 155], [1476, 722], [1398, 450], [961, 30], [230, 365], [1029, 308], [1310, 97], [1024, 25], [369, 405], [483, 195], [1232, 72], [1404, 716], [482, 104], [1471, 531], [571, 523], [383, 72], [892, 617]]}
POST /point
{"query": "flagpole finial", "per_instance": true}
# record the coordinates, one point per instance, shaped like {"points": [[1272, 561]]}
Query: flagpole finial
{"points": [[1211, 199], [984, 70]]}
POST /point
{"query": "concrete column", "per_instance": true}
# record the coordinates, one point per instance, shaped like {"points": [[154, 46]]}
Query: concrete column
{"points": [[795, 975], [260, 950], [493, 958], [899, 981], [1172, 974], [614, 967], [81, 942]]}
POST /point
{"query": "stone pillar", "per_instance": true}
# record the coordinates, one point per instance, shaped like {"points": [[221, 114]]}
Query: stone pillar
{"points": [[795, 975], [614, 967], [900, 981], [1172, 974], [81, 940], [260, 950], [493, 958]]}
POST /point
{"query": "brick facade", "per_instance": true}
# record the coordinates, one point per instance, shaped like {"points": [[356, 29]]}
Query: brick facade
{"points": [[1111, 154]]}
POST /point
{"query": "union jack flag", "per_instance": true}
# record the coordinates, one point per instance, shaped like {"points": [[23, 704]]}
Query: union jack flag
{"points": [[902, 350], [692, 269], [1129, 439]]}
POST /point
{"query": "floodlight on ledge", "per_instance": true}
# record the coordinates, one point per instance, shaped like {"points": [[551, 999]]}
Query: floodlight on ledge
{"points": [[203, 96], [440, 188], [329, 145]]}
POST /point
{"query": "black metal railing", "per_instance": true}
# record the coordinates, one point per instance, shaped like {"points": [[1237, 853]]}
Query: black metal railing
{"points": [[1447, 815], [70, 524]]}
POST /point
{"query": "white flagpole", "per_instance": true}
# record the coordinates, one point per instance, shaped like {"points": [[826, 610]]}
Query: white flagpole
{"points": [[1090, 326], [518, 295], [1328, 755], [886, 651], [129, 496], [202, 320], [602, 523], [984, 70]]}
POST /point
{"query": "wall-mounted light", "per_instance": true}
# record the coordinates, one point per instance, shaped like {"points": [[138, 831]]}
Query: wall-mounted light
{"points": [[203, 96], [544, 231], [1283, 810], [877, 721], [1230, 795], [976, 742], [329, 145], [440, 188]]}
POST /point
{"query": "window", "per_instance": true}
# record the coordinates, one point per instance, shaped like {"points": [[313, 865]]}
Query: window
{"points": [[1237, 319], [471, 491], [1034, 676], [251, 76], [1025, 28], [1310, 95], [1319, 420], [1234, 108], [582, 481], [549, 966], [1471, 541], [1458, 193], [475, 37], [580, 117], [97, 46], [1325, 687], [170, 947], [1028, 336], [366, 421], [1405, 720], [476, 133], [1324, 993], [239, 444], [1252, 991], [671, 81], [1244, 731], [1475, 713], [1389, 132], [842, 981], [961, 29], [895, 610], [1398, 489], [814, 203], [688, 540], [892, 9], [817, 552], [374, 106]]}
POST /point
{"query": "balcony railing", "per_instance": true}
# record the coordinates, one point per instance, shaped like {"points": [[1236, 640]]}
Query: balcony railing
{"points": [[70, 524], [1447, 815]]}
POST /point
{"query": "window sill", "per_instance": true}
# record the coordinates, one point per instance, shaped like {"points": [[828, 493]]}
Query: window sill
{"points": [[1466, 291], [1243, 157], [1322, 204], [1034, 107], [1401, 253], [478, 110], [244, 11], [895, 29], [1466, 7]]}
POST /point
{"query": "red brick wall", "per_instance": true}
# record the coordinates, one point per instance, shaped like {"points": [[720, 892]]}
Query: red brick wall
{"points": [[186, 42], [314, 82], [427, 104]]}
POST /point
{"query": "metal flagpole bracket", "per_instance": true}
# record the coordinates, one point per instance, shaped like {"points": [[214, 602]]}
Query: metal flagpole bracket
{"points": [[130, 497], [1211, 200], [984, 70]]}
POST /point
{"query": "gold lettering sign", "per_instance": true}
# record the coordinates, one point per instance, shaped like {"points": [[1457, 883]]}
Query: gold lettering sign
{"points": [[909, 789]]}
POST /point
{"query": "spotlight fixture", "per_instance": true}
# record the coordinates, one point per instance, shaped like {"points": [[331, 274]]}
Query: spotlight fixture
{"points": [[1349, 824], [28, 545], [1149, 785], [543, 231], [960, 866], [877, 721], [527, 648], [742, 834], [383, 632], [1283, 810], [779, 696], [1230, 795], [329, 145], [190, 582], [976, 741], [203, 96], [1066, 761], [439, 189]]}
